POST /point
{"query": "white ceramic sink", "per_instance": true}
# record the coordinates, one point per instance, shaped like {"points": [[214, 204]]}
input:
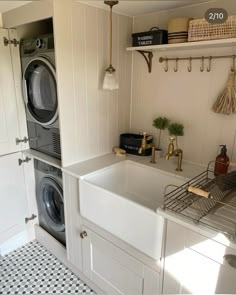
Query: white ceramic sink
{"points": [[123, 199]]}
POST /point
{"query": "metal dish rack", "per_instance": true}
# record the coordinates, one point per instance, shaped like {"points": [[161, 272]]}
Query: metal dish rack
{"points": [[205, 211]]}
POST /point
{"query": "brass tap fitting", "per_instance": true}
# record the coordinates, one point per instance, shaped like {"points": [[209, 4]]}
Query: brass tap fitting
{"points": [[172, 152], [144, 146]]}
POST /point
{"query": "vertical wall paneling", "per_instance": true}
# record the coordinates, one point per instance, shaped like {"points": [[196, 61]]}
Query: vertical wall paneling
{"points": [[63, 35], [79, 69], [184, 97], [113, 103], [91, 48], [91, 118], [103, 61]]}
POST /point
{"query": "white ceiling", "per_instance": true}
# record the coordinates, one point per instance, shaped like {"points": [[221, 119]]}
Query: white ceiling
{"points": [[9, 5], [134, 8], [131, 7]]}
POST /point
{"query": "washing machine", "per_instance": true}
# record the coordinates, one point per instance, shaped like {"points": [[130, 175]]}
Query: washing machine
{"points": [[40, 94], [50, 201]]}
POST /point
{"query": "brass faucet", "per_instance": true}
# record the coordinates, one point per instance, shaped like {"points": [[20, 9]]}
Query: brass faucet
{"points": [[144, 146], [172, 152]]}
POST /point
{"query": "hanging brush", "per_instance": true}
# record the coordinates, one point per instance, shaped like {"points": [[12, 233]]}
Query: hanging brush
{"points": [[226, 101]]}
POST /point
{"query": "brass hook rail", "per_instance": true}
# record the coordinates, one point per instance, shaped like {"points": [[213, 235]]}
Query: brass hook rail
{"points": [[201, 58], [161, 59]]}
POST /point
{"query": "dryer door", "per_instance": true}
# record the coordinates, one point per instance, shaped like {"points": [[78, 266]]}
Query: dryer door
{"points": [[51, 204], [40, 92]]}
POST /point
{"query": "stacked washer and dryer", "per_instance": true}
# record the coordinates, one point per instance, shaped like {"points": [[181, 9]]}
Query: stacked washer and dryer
{"points": [[40, 96]]}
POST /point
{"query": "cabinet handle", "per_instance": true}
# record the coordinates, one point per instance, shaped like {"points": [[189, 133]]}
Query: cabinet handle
{"points": [[24, 140], [231, 260], [20, 161], [32, 217], [83, 234]]}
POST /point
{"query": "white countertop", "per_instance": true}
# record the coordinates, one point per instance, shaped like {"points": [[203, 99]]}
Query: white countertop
{"points": [[80, 169], [190, 170]]}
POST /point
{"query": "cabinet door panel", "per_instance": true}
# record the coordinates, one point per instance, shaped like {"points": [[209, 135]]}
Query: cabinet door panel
{"points": [[110, 268], [188, 269], [9, 124], [13, 197]]}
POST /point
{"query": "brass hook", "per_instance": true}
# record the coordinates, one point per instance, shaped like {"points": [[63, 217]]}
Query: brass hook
{"points": [[190, 65], [233, 67], [166, 65], [176, 65], [209, 65], [202, 67]]}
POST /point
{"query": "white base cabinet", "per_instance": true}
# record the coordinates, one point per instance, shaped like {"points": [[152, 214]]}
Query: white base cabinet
{"points": [[113, 270], [15, 206], [195, 264]]}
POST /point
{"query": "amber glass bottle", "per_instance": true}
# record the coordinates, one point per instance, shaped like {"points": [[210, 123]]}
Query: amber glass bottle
{"points": [[222, 162]]}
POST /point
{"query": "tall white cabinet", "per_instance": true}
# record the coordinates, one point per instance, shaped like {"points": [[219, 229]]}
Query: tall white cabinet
{"points": [[16, 180], [9, 124]]}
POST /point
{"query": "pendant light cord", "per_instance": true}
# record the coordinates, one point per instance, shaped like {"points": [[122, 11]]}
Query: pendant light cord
{"points": [[111, 35], [110, 69]]}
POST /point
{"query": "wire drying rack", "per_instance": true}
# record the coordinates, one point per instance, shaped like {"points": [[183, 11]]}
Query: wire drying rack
{"points": [[214, 211]]}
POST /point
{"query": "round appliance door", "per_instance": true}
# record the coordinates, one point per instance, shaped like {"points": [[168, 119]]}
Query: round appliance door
{"points": [[51, 203], [40, 91]]}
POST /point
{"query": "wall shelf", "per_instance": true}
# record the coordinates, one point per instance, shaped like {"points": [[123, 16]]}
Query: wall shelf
{"points": [[188, 45], [147, 51]]}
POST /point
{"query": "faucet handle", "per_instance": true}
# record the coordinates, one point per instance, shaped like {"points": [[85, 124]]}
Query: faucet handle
{"points": [[172, 139], [144, 133]]}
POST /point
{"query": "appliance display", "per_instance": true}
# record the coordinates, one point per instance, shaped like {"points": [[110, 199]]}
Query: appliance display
{"points": [[50, 201], [40, 94]]}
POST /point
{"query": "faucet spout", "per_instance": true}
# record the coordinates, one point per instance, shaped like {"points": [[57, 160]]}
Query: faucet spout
{"points": [[144, 146], [172, 152], [167, 156]]}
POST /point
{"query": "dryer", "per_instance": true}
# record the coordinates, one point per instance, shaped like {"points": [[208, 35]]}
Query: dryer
{"points": [[50, 200], [40, 94]]}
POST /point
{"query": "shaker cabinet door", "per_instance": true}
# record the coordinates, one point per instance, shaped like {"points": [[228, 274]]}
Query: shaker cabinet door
{"points": [[195, 264], [9, 122], [13, 199], [115, 271]]}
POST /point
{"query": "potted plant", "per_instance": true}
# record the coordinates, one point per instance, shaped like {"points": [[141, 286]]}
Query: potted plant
{"points": [[160, 123], [176, 129]]}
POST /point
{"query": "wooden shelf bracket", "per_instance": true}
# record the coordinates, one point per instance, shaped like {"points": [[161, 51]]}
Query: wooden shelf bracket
{"points": [[148, 55]]}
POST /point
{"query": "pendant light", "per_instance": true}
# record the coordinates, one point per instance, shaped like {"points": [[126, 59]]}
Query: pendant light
{"points": [[110, 82]]}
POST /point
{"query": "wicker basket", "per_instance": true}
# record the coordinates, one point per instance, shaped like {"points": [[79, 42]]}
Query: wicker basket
{"points": [[200, 29]]}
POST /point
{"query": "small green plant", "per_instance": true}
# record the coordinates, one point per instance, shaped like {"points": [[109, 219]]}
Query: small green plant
{"points": [[176, 129], [160, 123]]}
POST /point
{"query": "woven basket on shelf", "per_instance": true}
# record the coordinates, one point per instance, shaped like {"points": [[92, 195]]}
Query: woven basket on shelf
{"points": [[200, 29]]}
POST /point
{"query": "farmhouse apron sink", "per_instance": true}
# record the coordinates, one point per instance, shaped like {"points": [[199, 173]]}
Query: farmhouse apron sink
{"points": [[123, 199]]}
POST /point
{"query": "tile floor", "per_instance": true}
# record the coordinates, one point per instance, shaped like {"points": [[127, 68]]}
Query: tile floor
{"points": [[33, 270]]}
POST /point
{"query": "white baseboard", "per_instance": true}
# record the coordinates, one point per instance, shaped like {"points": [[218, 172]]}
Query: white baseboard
{"points": [[15, 242], [59, 251]]}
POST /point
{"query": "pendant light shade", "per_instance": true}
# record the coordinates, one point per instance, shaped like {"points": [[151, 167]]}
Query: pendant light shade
{"points": [[110, 81]]}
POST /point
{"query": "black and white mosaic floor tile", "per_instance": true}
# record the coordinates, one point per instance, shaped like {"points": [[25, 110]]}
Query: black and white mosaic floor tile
{"points": [[33, 270]]}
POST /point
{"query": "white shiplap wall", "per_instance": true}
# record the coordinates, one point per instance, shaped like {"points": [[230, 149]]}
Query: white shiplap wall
{"points": [[184, 97], [91, 118]]}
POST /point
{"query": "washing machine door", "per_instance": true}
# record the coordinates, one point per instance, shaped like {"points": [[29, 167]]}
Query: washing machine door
{"points": [[51, 204], [40, 91]]}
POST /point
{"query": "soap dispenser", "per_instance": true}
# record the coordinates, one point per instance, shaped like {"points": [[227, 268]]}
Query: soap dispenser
{"points": [[222, 162]]}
